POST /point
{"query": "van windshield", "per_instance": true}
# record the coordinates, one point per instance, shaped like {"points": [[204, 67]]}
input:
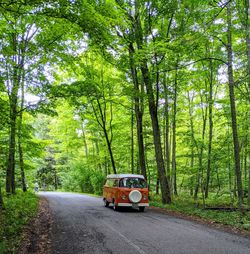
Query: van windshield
{"points": [[133, 183]]}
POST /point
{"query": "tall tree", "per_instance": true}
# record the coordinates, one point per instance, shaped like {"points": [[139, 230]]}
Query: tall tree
{"points": [[210, 118], [138, 99], [165, 187], [231, 85]]}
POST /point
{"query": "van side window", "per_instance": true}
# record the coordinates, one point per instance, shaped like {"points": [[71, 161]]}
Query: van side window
{"points": [[115, 184], [109, 183]]}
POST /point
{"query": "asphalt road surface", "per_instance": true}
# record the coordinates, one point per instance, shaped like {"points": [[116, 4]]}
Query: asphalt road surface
{"points": [[81, 224]]}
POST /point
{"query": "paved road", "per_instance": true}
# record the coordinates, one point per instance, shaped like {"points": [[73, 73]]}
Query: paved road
{"points": [[83, 225]]}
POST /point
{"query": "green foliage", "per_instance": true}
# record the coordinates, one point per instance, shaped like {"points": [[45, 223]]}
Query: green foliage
{"points": [[83, 178], [19, 209]]}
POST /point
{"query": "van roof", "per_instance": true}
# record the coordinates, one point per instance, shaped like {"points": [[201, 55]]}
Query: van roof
{"points": [[124, 175]]}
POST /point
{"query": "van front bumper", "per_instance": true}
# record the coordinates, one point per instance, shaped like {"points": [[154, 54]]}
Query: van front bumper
{"points": [[132, 205]]}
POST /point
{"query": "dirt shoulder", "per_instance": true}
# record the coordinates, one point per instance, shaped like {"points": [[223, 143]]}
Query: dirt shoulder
{"points": [[36, 235]]}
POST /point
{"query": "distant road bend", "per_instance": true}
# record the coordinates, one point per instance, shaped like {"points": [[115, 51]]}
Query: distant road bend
{"points": [[81, 224]]}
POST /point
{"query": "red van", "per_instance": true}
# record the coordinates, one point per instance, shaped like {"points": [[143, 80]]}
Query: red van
{"points": [[126, 190]]}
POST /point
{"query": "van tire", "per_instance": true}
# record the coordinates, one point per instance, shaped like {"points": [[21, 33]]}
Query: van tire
{"points": [[106, 203], [115, 207], [141, 208]]}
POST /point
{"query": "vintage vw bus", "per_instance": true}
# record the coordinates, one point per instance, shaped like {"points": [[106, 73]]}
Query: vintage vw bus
{"points": [[126, 190]]}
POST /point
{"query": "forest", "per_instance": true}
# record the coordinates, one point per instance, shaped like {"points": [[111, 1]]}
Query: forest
{"points": [[93, 87]]}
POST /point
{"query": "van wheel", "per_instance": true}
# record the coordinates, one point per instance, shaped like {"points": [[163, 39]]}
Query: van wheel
{"points": [[115, 207], [106, 203], [141, 208]]}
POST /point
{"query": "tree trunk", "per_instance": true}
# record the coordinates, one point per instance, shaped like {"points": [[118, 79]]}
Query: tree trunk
{"points": [[192, 170], [18, 64], [248, 185], [167, 146], [247, 14], [1, 200], [157, 186], [165, 188], [20, 148], [84, 140], [210, 139], [110, 150], [193, 144], [132, 141], [102, 123], [204, 117], [10, 173], [233, 107], [174, 183], [138, 112]]}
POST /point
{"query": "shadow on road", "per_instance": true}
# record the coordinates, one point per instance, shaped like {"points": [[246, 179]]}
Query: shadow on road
{"points": [[125, 210]]}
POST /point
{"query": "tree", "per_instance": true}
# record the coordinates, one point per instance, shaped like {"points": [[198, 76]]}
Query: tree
{"points": [[231, 85]]}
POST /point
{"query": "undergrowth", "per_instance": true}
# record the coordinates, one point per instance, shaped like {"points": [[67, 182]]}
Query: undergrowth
{"points": [[186, 205], [19, 209]]}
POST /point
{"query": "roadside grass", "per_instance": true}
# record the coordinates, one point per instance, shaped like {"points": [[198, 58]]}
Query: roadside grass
{"points": [[19, 209], [186, 205]]}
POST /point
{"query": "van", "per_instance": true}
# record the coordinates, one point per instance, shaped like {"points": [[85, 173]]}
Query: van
{"points": [[126, 190]]}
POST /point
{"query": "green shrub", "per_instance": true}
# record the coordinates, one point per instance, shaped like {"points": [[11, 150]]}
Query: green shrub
{"points": [[97, 181], [83, 178]]}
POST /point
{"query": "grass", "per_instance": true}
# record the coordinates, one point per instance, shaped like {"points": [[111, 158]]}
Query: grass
{"points": [[186, 205], [19, 209]]}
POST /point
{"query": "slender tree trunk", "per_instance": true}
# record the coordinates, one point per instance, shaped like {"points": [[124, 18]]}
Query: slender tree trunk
{"points": [[204, 117], [233, 107], [193, 143], [210, 139], [165, 188], [110, 150], [174, 183], [1, 199], [132, 141], [24, 187], [84, 141], [102, 123], [20, 148], [138, 112], [17, 74], [157, 187], [230, 177], [247, 14], [218, 180], [248, 185], [99, 165], [10, 174], [167, 147], [192, 170]]}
